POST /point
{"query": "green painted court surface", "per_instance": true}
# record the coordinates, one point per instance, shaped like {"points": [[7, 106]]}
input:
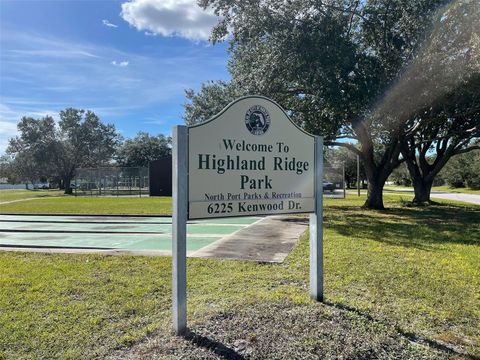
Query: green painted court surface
{"points": [[111, 232]]}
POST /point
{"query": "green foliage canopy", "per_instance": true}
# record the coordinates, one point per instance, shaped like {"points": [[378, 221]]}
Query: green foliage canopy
{"points": [[341, 68], [79, 140], [463, 170], [142, 149]]}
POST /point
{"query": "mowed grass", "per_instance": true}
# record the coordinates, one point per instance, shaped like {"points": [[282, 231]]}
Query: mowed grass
{"points": [[90, 205], [392, 279], [15, 194]]}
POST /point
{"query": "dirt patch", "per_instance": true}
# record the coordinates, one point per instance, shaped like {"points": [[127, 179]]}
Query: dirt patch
{"points": [[286, 331]]}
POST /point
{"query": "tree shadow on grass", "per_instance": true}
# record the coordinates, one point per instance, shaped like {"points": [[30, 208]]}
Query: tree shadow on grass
{"points": [[422, 228], [406, 334], [217, 347]]}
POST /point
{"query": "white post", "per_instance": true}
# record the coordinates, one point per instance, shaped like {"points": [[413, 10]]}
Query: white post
{"points": [[316, 227], [179, 228]]}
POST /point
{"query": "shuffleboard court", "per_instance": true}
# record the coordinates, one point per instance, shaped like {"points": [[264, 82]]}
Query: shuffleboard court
{"points": [[111, 232]]}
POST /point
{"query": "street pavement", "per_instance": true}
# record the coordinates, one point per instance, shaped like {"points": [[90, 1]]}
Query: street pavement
{"points": [[468, 198]]}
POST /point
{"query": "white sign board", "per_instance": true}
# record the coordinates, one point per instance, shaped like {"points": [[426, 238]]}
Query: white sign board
{"points": [[251, 159]]}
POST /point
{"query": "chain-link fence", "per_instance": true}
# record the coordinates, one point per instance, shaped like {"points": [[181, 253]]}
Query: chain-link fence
{"points": [[111, 181], [134, 181]]}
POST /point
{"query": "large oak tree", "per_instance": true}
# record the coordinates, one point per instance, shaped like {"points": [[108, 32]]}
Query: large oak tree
{"points": [[440, 96], [79, 140], [331, 64]]}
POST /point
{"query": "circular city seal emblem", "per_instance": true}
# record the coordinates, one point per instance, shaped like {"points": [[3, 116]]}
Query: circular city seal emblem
{"points": [[257, 120]]}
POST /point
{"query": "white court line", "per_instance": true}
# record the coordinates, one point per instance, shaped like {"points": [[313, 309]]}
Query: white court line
{"points": [[20, 234], [231, 234], [202, 224]]}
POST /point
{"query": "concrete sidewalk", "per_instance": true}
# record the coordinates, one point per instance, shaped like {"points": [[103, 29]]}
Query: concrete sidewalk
{"points": [[268, 240]]}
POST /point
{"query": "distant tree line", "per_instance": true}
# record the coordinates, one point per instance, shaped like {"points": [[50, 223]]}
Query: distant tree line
{"points": [[142, 149], [343, 158], [48, 151], [461, 171]]}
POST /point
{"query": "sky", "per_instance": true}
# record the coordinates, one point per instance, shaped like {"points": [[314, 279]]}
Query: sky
{"points": [[128, 61]]}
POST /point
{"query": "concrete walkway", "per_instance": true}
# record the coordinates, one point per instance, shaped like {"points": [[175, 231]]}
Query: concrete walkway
{"points": [[468, 198], [268, 240], [18, 200]]}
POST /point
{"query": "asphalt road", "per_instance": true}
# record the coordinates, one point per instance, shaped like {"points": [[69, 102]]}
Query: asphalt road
{"points": [[468, 198]]}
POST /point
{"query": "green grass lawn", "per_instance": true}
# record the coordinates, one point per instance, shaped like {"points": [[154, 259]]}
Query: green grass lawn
{"points": [[404, 283], [91, 205], [15, 194]]}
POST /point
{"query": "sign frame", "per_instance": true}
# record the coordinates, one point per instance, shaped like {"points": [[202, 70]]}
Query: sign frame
{"points": [[180, 215], [304, 140]]}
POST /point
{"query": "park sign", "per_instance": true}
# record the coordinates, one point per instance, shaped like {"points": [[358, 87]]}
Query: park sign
{"points": [[250, 159]]}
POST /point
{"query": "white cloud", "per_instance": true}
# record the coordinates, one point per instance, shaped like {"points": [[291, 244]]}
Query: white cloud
{"points": [[120, 63], [24, 44], [9, 118], [54, 53], [108, 23], [7, 129], [35, 85], [182, 18]]}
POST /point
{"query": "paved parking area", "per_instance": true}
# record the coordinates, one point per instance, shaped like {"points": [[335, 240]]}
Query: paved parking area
{"points": [[267, 239]]}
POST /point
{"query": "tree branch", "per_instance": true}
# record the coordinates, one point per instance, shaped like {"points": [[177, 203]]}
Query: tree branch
{"points": [[351, 18], [346, 145]]}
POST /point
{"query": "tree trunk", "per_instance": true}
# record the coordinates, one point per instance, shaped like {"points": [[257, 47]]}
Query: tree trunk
{"points": [[66, 183], [376, 177], [377, 172], [374, 195], [422, 176], [348, 181], [422, 189]]}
